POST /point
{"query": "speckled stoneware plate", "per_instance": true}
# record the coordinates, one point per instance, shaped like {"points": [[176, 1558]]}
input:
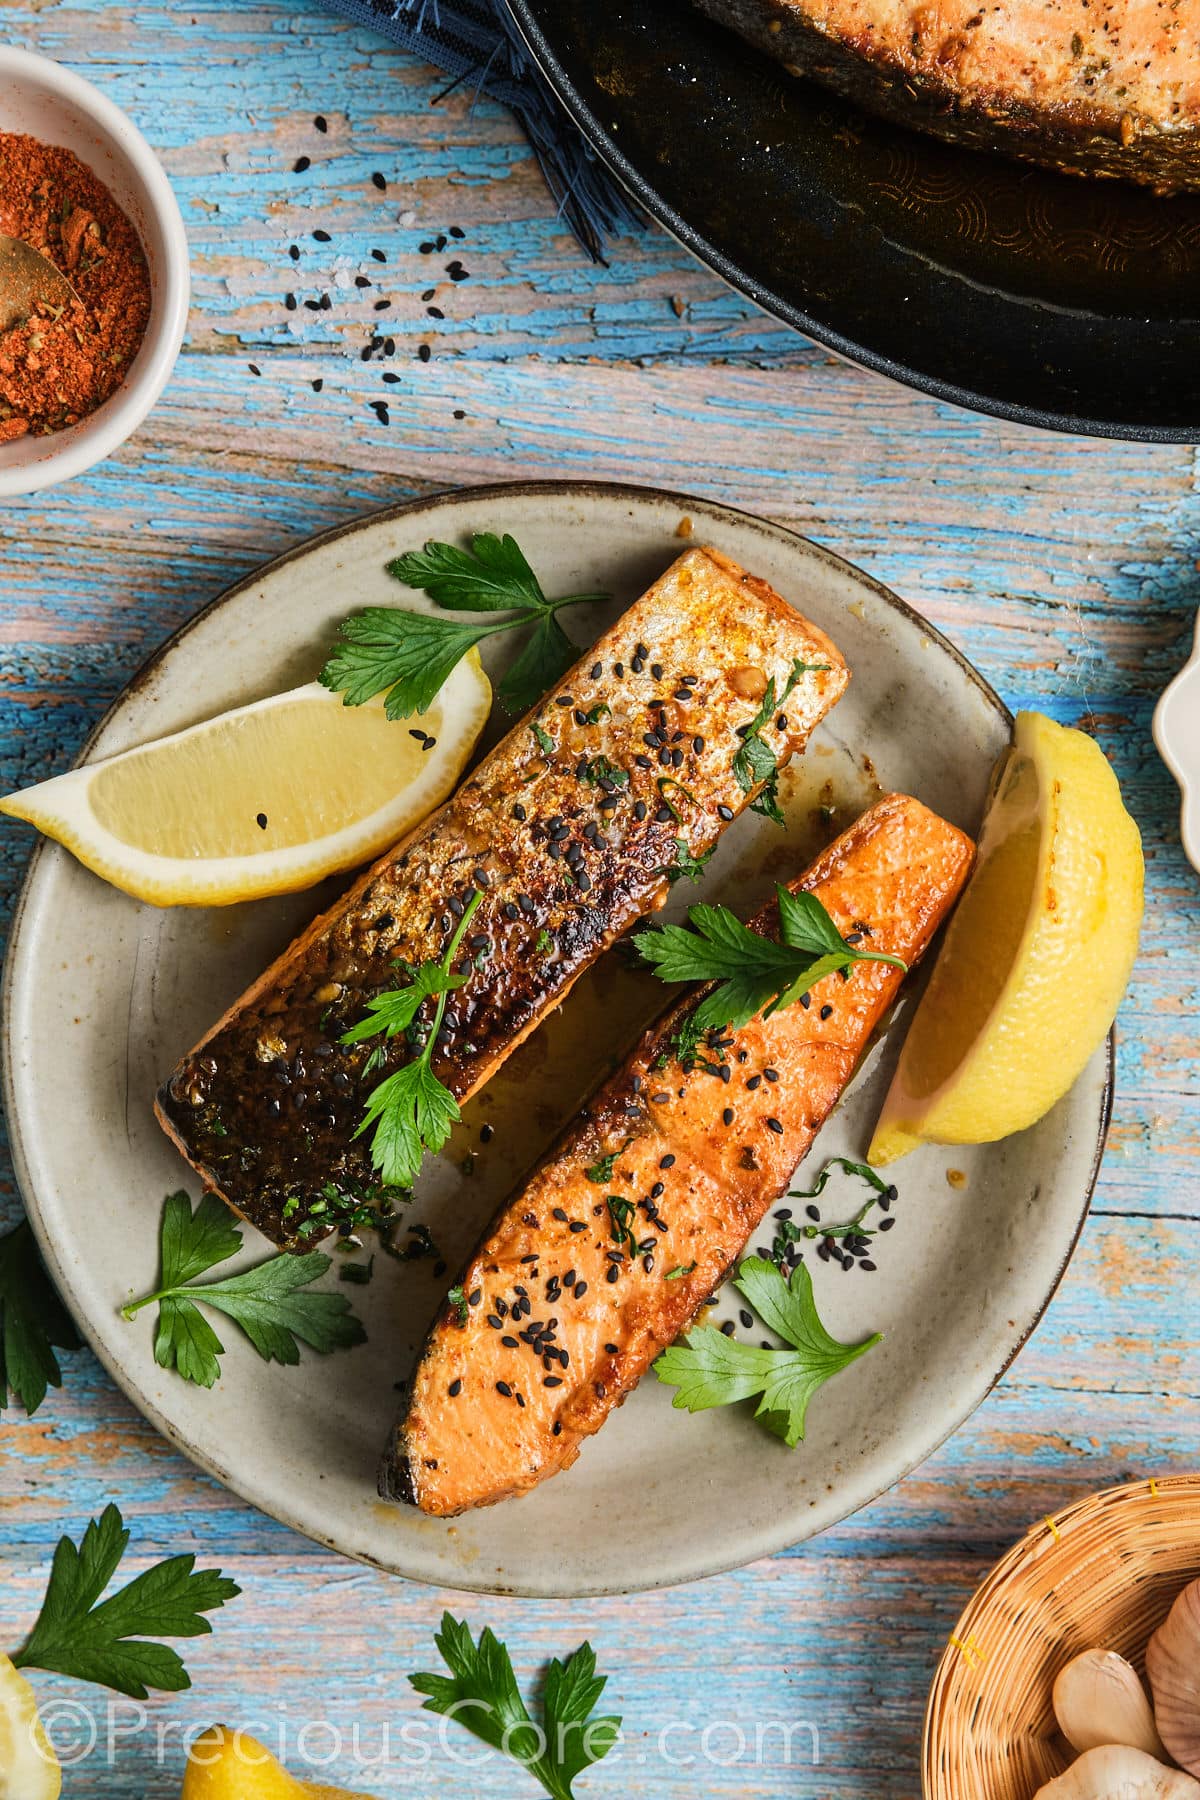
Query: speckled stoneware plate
{"points": [[104, 994]]}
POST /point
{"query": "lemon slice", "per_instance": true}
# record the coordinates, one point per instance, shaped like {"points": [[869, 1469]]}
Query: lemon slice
{"points": [[29, 1769], [231, 1765], [263, 800], [1036, 957]]}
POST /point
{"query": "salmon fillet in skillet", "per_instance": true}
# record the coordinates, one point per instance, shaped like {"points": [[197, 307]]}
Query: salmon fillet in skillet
{"points": [[569, 828], [548, 1339], [1099, 87]]}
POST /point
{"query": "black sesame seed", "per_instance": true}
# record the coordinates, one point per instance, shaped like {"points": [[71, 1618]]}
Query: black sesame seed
{"points": [[318, 385], [581, 1288], [362, 281], [746, 1319], [771, 1074], [728, 1327], [556, 1428], [520, 815], [614, 1274], [294, 252], [775, 1126], [455, 1387], [886, 1224], [639, 810], [578, 1225], [379, 256], [637, 665], [559, 1213], [475, 1296], [379, 181], [322, 237], [301, 163], [656, 669], [727, 1116], [502, 1387], [495, 1321], [552, 1381], [668, 1162], [813, 1213], [697, 745], [725, 812], [753, 1081], [510, 1343], [826, 1012]]}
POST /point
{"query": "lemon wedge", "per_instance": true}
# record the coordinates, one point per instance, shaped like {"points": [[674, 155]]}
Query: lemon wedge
{"points": [[231, 1765], [1036, 957], [29, 1769], [263, 800]]}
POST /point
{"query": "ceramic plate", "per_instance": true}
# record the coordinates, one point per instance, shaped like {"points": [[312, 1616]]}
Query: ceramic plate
{"points": [[103, 994]]}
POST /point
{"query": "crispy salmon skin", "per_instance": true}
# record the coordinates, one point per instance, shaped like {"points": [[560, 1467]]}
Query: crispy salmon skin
{"points": [[562, 1312], [1103, 87], [568, 829]]}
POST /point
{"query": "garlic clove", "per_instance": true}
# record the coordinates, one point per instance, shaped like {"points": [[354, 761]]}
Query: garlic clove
{"points": [[1173, 1665], [1099, 1699], [1118, 1772]]}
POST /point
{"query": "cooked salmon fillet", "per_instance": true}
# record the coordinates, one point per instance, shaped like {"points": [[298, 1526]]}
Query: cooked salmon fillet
{"points": [[568, 828], [1104, 87], [558, 1319]]}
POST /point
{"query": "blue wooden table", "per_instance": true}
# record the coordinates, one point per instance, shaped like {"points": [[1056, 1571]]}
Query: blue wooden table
{"points": [[1067, 570]]}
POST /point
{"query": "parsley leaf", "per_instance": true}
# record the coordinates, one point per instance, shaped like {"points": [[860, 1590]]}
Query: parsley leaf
{"points": [[710, 1369], [492, 576], [394, 1011], [458, 1300], [481, 1693], [602, 1169], [408, 655], [622, 1216], [267, 1301], [105, 1643], [755, 761], [411, 1111], [686, 867], [754, 974], [33, 1322]]}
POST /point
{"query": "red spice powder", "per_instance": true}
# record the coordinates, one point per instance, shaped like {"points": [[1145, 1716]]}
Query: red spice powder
{"points": [[61, 364]]}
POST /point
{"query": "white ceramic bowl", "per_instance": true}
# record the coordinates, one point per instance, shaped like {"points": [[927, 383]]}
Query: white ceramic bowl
{"points": [[46, 101], [1177, 734]]}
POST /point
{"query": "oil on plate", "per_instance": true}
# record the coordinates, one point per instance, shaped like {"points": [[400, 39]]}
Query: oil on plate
{"points": [[103, 994]]}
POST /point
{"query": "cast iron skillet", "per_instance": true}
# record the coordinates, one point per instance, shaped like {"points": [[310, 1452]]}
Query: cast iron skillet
{"points": [[1046, 298]]}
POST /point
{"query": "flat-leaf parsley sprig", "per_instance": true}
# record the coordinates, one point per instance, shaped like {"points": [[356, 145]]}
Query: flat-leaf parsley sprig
{"points": [[409, 655], [270, 1301], [710, 1369], [481, 1693], [753, 974], [33, 1322], [755, 761], [411, 1111], [104, 1641]]}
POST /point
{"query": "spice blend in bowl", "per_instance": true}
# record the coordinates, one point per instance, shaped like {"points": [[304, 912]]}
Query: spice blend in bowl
{"points": [[61, 363]]}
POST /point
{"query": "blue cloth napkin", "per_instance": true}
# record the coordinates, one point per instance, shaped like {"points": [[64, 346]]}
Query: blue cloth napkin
{"points": [[477, 42]]}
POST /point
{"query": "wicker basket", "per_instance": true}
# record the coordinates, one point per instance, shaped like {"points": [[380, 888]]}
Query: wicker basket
{"points": [[1103, 1574]]}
